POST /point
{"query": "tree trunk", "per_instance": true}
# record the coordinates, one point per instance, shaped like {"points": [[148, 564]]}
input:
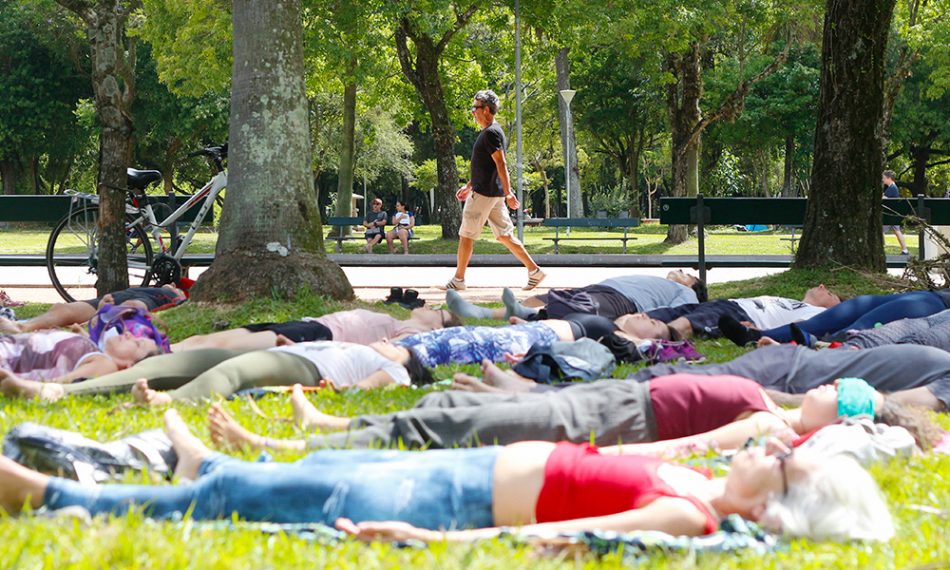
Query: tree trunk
{"points": [[539, 168], [424, 75], [920, 157], [633, 171], [788, 180], [562, 65], [682, 101], [269, 241], [843, 216], [8, 174], [344, 188]]}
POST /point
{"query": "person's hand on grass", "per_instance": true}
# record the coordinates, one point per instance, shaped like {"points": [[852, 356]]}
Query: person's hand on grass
{"points": [[386, 531], [767, 341], [513, 359]]}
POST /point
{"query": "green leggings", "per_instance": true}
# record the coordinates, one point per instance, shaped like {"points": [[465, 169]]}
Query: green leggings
{"points": [[198, 374]]}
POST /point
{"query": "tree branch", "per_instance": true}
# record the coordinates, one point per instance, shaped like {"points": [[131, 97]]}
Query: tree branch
{"points": [[405, 57], [460, 21], [938, 163]]}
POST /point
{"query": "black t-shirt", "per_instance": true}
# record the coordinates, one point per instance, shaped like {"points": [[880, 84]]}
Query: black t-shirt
{"points": [[484, 177]]}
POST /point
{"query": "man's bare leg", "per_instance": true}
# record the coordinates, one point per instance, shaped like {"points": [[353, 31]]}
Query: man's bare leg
{"points": [[59, 315], [227, 432], [463, 256], [148, 397], [306, 415], [518, 250], [465, 383], [505, 380], [189, 449], [20, 486]]}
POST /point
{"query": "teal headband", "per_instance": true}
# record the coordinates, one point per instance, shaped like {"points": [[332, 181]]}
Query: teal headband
{"points": [[855, 398]]}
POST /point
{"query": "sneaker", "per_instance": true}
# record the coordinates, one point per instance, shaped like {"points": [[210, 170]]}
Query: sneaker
{"points": [[534, 278], [455, 284], [905, 252]]}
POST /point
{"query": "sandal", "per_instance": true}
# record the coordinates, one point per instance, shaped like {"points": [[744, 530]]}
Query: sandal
{"points": [[395, 296], [411, 300]]}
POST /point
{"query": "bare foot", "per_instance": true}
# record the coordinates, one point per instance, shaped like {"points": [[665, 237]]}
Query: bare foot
{"points": [[148, 397], [12, 385], [18, 485], [9, 327], [516, 320], [191, 452], [309, 417], [766, 341], [505, 381], [226, 432], [466, 383]]}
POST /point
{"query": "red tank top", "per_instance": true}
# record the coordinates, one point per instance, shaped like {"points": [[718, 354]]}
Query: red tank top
{"points": [[579, 482], [689, 404]]}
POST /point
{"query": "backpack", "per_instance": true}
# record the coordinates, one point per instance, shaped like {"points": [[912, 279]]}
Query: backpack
{"points": [[123, 318]]}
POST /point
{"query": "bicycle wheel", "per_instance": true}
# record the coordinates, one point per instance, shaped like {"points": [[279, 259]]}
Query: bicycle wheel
{"points": [[72, 257]]}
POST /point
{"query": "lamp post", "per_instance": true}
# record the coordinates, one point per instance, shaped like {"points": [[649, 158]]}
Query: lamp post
{"points": [[519, 168], [567, 95]]}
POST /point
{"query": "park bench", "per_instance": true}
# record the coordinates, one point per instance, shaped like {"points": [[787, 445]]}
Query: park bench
{"points": [[51, 209], [336, 233], [558, 223], [701, 211]]}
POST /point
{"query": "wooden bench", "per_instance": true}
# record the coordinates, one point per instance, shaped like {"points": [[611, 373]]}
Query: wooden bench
{"points": [[338, 223], [558, 223], [702, 211]]}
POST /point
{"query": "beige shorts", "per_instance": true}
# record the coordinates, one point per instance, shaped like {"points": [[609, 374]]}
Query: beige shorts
{"points": [[480, 209]]}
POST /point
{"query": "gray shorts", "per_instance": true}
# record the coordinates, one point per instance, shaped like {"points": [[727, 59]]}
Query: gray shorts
{"points": [[480, 209]]}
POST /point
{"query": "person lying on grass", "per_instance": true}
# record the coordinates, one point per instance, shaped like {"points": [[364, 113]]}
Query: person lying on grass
{"points": [[614, 297], [469, 494], [151, 299], [669, 414], [859, 313], [200, 374], [765, 311]]}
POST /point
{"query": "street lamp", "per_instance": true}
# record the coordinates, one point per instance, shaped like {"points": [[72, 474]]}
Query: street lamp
{"points": [[567, 95]]}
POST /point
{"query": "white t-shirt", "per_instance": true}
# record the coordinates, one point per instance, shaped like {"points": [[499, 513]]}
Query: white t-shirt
{"points": [[346, 363], [768, 312], [402, 219]]}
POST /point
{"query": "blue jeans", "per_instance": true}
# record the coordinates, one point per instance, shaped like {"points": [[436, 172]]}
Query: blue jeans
{"points": [[440, 489], [864, 312]]}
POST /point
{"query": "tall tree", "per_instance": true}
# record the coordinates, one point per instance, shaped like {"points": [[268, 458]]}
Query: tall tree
{"points": [[843, 217], [113, 83], [270, 240], [421, 42]]}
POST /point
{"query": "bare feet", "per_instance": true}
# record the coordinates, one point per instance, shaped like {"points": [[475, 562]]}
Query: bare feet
{"points": [[9, 327], [148, 397], [226, 432], [12, 385], [766, 341], [466, 383], [309, 417], [191, 452], [505, 381], [19, 485], [516, 320]]}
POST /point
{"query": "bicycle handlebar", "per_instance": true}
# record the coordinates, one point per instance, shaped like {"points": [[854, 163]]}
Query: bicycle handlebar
{"points": [[216, 153]]}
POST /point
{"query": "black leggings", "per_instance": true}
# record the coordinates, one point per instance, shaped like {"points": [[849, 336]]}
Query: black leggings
{"points": [[585, 325], [297, 331]]}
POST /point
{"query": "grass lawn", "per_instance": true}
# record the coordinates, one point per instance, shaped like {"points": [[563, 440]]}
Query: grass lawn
{"points": [[131, 541], [722, 240]]}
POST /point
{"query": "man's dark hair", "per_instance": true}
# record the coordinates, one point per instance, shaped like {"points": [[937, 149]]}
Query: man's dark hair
{"points": [[699, 287], [418, 373], [890, 174], [488, 98]]}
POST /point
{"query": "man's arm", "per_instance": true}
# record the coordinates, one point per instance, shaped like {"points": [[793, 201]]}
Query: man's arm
{"points": [[502, 165]]}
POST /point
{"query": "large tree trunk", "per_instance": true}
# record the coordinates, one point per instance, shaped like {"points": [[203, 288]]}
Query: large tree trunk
{"points": [[269, 241], [788, 180], [423, 74], [8, 174], [843, 217], [682, 102], [562, 65], [920, 156], [344, 188]]}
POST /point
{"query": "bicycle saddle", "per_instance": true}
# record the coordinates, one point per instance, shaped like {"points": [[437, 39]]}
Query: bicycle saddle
{"points": [[139, 179]]}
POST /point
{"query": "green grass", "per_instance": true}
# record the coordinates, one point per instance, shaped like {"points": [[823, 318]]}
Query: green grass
{"points": [[131, 541], [428, 240]]}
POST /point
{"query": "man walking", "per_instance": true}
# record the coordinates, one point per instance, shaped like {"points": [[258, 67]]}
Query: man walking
{"points": [[888, 179], [488, 195]]}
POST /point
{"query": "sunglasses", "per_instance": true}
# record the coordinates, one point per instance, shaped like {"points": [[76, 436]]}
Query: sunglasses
{"points": [[476, 107]]}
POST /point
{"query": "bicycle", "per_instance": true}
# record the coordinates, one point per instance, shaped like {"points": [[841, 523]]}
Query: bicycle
{"points": [[72, 249]]}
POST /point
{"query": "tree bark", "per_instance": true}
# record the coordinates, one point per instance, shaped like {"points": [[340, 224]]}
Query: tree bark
{"points": [[8, 174], [788, 180], [423, 73], [270, 241], [562, 66], [920, 157], [113, 84], [682, 102], [344, 188], [843, 216]]}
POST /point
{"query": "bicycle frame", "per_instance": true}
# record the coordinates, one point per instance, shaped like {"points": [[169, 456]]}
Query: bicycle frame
{"points": [[209, 192]]}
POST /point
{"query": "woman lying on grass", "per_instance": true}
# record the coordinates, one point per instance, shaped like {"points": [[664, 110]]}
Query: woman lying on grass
{"points": [[667, 415], [199, 374], [470, 494]]}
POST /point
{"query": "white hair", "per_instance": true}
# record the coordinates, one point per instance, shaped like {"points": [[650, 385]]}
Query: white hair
{"points": [[837, 501]]}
